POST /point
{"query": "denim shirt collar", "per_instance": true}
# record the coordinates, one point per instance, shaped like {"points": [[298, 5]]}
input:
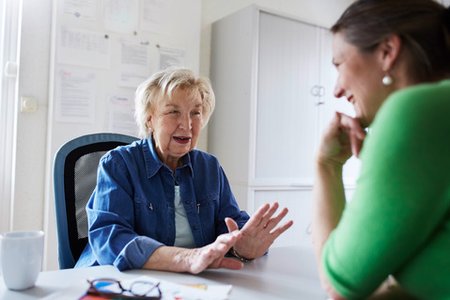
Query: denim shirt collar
{"points": [[153, 164]]}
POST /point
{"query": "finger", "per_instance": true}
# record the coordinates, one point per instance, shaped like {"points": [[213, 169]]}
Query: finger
{"points": [[356, 145], [266, 218], [227, 239], [354, 131], [335, 124], [213, 253], [231, 263], [216, 254], [352, 125], [255, 219], [203, 259], [272, 223], [277, 232], [231, 224]]}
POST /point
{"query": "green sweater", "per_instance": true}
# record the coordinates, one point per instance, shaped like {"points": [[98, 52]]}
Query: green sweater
{"points": [[398, 221]]}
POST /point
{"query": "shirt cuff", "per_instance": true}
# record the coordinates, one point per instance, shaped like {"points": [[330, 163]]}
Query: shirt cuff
{"points": [[136, 253]]}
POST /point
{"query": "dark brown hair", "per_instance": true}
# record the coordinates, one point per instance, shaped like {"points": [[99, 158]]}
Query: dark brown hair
{"points": [[422, 25]]}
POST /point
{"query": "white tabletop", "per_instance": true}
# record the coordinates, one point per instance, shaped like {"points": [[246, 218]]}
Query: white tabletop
{"points": [[285, 273]]}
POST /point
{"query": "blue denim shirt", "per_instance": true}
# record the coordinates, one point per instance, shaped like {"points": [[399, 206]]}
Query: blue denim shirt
{"points": [[131, 211]]}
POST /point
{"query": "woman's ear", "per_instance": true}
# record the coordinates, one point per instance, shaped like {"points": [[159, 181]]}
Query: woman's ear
{"points": [[389, 50], [149, 124]]}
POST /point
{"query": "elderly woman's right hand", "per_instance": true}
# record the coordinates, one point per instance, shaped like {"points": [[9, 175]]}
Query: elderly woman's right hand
{"points": [[343, 137], [177, 259], [213, 255]]}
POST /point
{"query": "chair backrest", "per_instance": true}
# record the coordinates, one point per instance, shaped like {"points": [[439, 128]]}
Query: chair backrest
{"points": [[74, 178]]}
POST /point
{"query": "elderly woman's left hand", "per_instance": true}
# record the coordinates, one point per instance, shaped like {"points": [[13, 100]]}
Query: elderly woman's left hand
{"points": [[260, 231]]}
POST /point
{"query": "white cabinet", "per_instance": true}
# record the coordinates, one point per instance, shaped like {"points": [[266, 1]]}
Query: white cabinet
{"points": [[300, 206], [273, 80], [286, 110]]}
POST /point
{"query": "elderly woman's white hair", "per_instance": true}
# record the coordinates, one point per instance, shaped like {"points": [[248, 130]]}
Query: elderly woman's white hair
{"points": [[162, 85]]}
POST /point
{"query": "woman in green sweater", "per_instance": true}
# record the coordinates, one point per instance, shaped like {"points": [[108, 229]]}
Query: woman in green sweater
{"points": [[393, 60]]}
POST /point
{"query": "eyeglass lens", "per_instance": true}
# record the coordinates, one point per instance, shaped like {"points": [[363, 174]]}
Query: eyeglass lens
{"points": [[143, 288], [113, 287]]}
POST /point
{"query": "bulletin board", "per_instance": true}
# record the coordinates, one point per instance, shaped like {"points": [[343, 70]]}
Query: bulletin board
{"points": [[103, 49]]}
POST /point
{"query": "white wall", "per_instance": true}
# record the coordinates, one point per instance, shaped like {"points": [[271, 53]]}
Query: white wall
{"points": [[33, 158]]}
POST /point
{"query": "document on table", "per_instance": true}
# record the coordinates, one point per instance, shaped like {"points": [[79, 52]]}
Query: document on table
{"points": [[171, 290]]}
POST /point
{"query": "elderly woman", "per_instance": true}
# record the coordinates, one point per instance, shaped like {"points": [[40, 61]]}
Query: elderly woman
{"points": [[159, 203], [393, 61]]}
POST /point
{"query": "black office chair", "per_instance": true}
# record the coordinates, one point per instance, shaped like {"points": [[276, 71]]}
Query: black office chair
{"points": [[75, 177]]}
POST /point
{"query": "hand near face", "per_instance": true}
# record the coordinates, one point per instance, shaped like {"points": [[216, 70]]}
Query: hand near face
{"points": [[260, 231], [343, 137]]}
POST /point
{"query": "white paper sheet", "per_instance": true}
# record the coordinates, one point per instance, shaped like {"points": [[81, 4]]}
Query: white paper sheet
{"points": [[154, 13], [171, 57], [82, 47], [134, 63], [121, 114], [85, 10], [75, 93], [121, 15]]}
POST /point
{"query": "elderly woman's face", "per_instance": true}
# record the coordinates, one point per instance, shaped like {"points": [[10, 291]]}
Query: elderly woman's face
{"points": [[359, 79], [176, 125]]}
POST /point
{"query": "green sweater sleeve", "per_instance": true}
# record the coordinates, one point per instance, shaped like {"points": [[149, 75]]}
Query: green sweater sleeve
{"points": [[400, 207]]}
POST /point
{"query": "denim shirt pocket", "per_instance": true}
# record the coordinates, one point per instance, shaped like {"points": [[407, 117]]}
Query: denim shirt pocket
{"points": [[207, 209], [147, 215]]}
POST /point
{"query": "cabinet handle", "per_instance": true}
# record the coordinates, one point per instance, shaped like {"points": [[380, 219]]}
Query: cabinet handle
{"points": [[321, 91], [308, 229], [318, 91], [315, 91]]}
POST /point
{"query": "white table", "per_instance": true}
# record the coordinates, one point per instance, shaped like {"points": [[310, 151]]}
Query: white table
{"points": [[285, 273]]}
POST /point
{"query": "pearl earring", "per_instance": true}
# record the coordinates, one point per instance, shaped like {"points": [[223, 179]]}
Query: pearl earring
{"points": [[387, 80]]}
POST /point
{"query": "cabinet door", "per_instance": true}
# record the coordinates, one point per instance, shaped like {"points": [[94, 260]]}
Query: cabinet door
{"points": [[286, 115], [299, 203]]}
